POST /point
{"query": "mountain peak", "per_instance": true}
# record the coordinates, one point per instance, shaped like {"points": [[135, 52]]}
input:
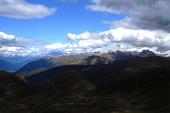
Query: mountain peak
{"points": [[147, 53]]}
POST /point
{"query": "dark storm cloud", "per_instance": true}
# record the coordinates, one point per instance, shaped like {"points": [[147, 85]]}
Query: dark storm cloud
{"points": [[146, 14]]}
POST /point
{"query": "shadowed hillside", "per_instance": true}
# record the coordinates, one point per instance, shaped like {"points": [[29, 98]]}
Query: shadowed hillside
{"points": [[140, 85]]}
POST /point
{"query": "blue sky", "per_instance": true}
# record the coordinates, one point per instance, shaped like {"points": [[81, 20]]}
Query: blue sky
{"points": [[69, 18], [38, 27]]}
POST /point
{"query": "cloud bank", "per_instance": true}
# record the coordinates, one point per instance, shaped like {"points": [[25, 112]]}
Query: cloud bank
{"points": [[114, 39], [13, 45], [160, 40]]}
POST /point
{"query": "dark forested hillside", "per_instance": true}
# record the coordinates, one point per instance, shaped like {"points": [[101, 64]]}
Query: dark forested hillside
{"points": [[140, 85]]}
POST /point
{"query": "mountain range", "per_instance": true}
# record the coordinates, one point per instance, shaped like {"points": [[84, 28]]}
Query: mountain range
{"points": [[80, 59], [138, 85]]}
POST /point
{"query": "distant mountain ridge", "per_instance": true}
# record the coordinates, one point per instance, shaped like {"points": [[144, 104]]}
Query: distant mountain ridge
{"points": [[81, 59], [9, 66], [13, 63], [6, 66]]}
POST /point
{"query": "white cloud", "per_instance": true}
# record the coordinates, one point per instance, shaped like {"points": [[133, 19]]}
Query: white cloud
{"points": [[18, 51], [123, 39], [57, 46], [13, 45], [12, 40], [92, 43], [83, 36], [21, 9], [138, 38]]}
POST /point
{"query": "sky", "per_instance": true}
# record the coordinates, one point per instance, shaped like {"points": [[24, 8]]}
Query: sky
{"points": [[39, 27]]}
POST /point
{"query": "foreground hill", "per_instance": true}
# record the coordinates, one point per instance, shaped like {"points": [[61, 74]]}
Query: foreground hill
{"points": [[140, 85], [135, 86], [10, 88], [81, 59], [18, 97]]}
